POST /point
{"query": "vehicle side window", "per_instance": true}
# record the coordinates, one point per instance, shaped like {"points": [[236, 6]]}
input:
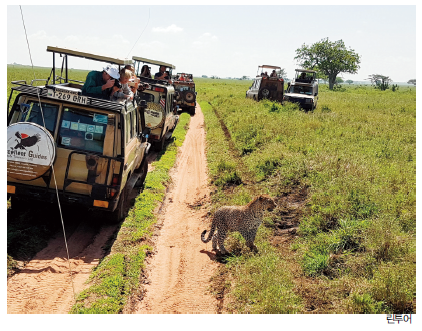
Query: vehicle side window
{"points": [[33, 115], [146, 96], [81, 129], [129, 126], [258, 83]]}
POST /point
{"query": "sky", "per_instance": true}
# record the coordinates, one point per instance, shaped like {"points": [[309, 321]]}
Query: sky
{"points": [[221, 40]]}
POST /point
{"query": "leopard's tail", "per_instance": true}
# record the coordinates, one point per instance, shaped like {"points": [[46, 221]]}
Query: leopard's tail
{"points": [[209, 235]]}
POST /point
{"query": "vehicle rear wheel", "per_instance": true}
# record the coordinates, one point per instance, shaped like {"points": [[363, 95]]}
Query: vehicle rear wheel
{"points": [[159, 145]]}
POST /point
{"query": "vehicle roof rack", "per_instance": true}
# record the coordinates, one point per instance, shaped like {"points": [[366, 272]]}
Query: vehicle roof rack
{"points": [[305, 70], [269, 67], [90, 56], [158, 63], [93, 102]]}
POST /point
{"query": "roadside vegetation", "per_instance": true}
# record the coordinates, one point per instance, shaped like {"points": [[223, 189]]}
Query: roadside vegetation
{"points": [[355, 156]]}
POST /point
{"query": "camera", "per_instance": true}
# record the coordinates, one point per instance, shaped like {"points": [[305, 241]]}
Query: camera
{"points": [[117, 83]]}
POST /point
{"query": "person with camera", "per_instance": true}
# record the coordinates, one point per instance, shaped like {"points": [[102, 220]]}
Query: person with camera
{"points": [[163, 74], [98, 84]]}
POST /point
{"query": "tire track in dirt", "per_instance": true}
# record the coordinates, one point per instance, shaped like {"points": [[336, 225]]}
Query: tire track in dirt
{"points": [[180, 270], [44, 285]]}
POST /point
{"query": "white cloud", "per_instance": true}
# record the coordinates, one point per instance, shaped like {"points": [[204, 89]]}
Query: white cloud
{"points": [[170, 29], [205, 40]]}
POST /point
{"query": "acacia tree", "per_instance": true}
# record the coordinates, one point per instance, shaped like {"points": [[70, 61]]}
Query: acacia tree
{"points": [[349, 81], [412, 81], [381, 81], [281, 72], [329, 58]]}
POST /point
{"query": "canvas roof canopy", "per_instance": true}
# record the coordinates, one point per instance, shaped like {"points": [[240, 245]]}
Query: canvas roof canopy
{"points": [[90, 56], [149, 61], [269, 67], [305, 70]]}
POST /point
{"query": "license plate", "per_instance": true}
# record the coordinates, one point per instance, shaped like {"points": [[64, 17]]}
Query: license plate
{"points": [[66, 96]]}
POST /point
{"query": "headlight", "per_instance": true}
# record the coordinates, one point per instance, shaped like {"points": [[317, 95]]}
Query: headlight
{"points": [[308, 101]]}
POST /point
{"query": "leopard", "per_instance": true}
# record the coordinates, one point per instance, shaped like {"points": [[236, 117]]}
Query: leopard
{"points": [[244, 219]]}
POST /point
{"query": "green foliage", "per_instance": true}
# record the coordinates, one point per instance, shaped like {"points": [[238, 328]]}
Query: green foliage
{"points": [[357, 154], [329, 58], [396, 286]]}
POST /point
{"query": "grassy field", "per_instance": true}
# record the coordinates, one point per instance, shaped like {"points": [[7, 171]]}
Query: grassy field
{"points": [[355, 156], [353, 161]]}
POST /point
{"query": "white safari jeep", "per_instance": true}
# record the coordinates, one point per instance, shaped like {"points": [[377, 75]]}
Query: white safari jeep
{"points": [[161, 110], [94, 148], [303, 90]]}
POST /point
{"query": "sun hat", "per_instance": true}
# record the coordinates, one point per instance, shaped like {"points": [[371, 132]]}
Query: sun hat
{"points": [[112, 71]]}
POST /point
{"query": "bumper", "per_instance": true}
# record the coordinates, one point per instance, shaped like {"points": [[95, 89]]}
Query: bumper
{"points": [[49, 195]]}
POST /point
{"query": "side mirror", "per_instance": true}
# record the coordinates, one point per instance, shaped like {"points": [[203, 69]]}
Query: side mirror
{"points": [[316, 93]]}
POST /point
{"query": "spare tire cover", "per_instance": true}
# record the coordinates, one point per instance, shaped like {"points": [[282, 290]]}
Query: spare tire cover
{"points": [[154, 115], [30, 151], [189, 96]]}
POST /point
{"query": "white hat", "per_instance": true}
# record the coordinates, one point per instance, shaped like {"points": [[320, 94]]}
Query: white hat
{"points": [[113, 72]]}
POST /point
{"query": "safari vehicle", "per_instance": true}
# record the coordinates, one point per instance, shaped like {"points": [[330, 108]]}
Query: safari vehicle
{"points": [[94, 149], [266, 87], [161, 110], [303, 89], [185, 92]]}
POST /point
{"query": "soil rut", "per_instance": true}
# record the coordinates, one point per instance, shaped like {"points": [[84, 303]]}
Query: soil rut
{"points": [[44, 285], [180, 270]]}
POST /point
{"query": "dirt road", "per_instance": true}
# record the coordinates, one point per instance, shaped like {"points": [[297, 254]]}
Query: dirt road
{"points": [[180, 270], [44, 286]]}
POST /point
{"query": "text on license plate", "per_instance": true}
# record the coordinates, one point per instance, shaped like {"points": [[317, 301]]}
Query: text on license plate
{"points": [[67, 96]]}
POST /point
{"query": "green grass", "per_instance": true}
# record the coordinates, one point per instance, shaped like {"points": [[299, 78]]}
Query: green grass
{"points": [[118, 274], [357, 154]]}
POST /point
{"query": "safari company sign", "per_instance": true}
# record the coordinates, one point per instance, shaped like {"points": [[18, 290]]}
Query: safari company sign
{"points": [[30, 151]]}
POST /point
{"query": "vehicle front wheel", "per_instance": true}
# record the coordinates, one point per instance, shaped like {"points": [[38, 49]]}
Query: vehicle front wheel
{"points": [[192, 110], [144, 169]]}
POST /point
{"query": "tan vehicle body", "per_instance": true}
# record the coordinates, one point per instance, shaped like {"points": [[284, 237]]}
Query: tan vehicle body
{"points": [[100, 147], [161, 111]]}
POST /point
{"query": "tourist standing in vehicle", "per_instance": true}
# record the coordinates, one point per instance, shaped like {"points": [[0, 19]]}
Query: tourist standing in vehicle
{"points": [[273, 73], [145, 72], [98, 84], [162, 74]]}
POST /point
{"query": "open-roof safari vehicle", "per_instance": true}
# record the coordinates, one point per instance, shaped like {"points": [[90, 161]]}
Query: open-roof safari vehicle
{"points": [[185, 92], [97, 147], [266, 87], [303, 90], [161, 111]]}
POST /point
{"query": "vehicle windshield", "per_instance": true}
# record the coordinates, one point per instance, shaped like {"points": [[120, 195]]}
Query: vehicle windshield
{"points": [[299, 89], [183, 88], [33, 114], [82, 130]]}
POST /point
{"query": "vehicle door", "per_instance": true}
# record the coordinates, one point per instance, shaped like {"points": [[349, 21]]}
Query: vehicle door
{"points": [[133, 152]]}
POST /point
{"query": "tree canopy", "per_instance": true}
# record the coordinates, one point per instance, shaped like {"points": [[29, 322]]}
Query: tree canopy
{"points": [[412, 81], [381, 81], [349, 81], [329, 58]]}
